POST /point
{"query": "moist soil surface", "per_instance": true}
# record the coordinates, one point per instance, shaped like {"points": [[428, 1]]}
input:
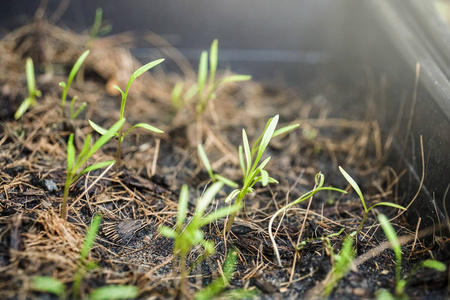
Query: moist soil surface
{"points": [[140, 194]]}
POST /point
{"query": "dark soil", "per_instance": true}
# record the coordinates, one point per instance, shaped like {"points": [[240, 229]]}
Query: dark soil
{"points": [[142, 194]]}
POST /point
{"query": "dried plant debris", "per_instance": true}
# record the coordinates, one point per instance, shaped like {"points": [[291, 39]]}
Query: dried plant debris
{"points": [[142, 195]]}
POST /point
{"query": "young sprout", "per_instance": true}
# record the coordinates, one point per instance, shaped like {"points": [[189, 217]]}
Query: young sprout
{"points": [[206, 92], [319, 187], [119, 134], [341, 265], [32, 91], [66, 86], [97, 29], [57, 287], [401, 283], [191, 235], [366, 210], [218, 285], [249, 159], [74, 164]]}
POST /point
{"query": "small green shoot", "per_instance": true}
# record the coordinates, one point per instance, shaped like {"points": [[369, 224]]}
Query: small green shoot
{"points": [[66, 86], [74, 164], [366, 210], [189, 236], [206, 92], [319, 187], [252, 170], [84, 265], [32, 91], [218, 285], [119, 134], [57, 287], [401, 283], [97, 29], [341, 265]]}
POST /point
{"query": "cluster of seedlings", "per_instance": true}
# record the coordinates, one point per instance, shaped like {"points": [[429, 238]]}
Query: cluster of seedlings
{"points": [[187, 233]]}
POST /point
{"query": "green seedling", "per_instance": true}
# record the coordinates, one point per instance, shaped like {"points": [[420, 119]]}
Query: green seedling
{"points": [[400, 283], [319, 180], [97, 29], [249, 159], [366, 210], [32, 91], [119, 134], [206, 92], [74, 164], [341, 264], [58, 288], [218, 286], [66, 86], [191, 235]]}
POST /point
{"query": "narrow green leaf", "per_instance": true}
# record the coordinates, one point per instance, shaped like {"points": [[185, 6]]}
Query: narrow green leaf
{"points": [[393, 239], [272, 180], [264, 163], [264, 177], [387, 204], [76, 67], [70, 154], [213, 59], [355, 187], [23, 108], [207, 197], [96, 166], [114, 292], [247, 152], [218, 214], [241, 160], [267, 137], [226, 181], [205, 161], [105, 137], [97, 128], [29, 70], [145, 126], [168, 232], [234, 78], [182, 206], [202, 72], [144, 69], [433, 264], [90, 237], [48, 285], [285, 129], [86, 145], [119, 89], [232, 195]]}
